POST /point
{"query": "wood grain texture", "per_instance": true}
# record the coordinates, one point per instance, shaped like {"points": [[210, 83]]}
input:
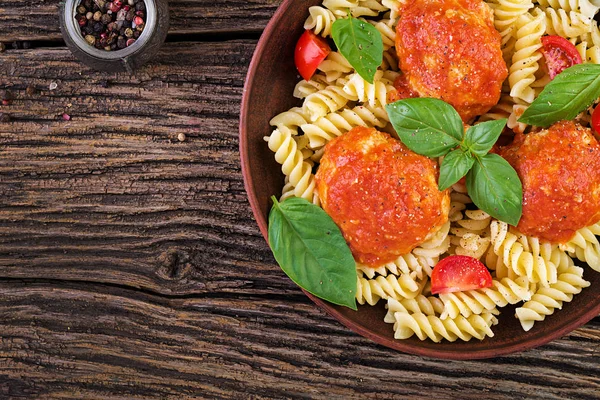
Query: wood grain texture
{"points": [[130, 263], [95, 341], [38, 19]]}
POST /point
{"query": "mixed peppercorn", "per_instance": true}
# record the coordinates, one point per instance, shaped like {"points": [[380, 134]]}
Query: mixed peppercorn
{"points": [[111, 25]]}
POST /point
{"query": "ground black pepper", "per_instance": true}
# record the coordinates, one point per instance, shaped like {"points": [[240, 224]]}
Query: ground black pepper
{"points": [[111, 25]]}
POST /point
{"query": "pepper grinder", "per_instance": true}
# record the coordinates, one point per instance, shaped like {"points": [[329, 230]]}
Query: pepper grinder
{"points": [[126, 59]]}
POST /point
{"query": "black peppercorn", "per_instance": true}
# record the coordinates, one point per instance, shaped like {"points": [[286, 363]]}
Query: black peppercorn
{"points": [[140, 6], [98, 27], [26, 45], [136, 34], [4, 117]]}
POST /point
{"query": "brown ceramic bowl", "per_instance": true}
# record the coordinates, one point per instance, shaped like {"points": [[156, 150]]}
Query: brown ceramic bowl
{"points": [[268, 91]]}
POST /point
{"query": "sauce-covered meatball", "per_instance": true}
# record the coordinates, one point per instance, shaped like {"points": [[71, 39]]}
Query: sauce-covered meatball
{"points": [[384, 197], [450, 50], [560, 171]]}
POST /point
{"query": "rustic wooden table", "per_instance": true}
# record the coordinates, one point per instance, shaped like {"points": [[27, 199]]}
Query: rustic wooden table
{"points": [[130, 263]]}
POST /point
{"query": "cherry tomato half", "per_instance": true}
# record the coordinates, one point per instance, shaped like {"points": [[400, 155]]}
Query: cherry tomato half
{"points": [[311, 50], [559, 53], [459, 273]]}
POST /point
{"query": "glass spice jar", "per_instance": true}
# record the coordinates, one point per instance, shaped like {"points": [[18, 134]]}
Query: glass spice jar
{"points": [[82, 29]]}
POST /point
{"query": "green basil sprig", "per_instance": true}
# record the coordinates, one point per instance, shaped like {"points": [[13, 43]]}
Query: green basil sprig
{"points": [[311, 250], [433, 128], [568, 94], [360, 43]]}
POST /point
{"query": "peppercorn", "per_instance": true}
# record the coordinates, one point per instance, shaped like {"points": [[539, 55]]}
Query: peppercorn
{"points": [[121, 42], [129, 32], [140, 6], [30, 90], [136, 34], [2, 47], [104, 83], [81, 9], [106, 19], [90, 39], [89, 15], [138, 21], [140, 27], [81, 20], [98, 27], [16, 45], [7, 97], [130, 42], [100, 4], [130, 15], [4, 117], [126, 24], [26, 45], [97, 16], [87, 4]]}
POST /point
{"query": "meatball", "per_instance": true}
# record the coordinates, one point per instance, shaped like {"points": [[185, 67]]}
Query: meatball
{"points": [[450, 50], [560, 171], [384, 197]]}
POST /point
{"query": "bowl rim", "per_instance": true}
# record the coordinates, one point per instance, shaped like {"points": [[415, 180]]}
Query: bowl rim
{"points": [[534, 341]]}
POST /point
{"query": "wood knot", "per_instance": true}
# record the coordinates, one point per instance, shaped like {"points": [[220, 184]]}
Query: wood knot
{"points": [[174, 264]]}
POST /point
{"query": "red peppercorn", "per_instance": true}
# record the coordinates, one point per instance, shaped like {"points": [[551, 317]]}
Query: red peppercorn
{"points": [[82, 20], [103, 35], [114, 7], [138, 21], [66, 117], [118, 3], [127, 8], [140, 13], [130, 42]]}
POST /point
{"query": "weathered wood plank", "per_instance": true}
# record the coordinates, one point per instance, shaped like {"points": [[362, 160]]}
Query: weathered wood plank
{"points": [[112, 195], [38, 19], [96, 342]]}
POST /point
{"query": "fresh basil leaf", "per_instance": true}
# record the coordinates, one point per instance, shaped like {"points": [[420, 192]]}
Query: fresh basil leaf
{"points": [[429, 127], [455, 165], [495, 188], [311, 250], [480, 138], [568, 94], [360, 43]]}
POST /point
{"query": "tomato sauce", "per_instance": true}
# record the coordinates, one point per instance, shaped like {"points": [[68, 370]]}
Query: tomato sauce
{"points": [[560, 171], [450, 50], [384, 197]]}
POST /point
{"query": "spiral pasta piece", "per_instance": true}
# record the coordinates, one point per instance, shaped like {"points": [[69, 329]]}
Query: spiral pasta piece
{"points": [[316, 83], [335, 124], [409, 264], [325, 101], [320, 20], [291, 119], [375, 94], [546, 300], [566, 24], [503, 292], [358, 8], [384, 287], [471, 235], [436, 329], [335, 66], [522, 254], [526, 56], [585, 246], [428, 305], [291, 158]]}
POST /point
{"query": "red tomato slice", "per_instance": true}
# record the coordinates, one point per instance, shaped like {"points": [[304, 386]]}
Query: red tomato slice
{"points": [[559, 53], [311, 50], [459, 273], [596, 119]]}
